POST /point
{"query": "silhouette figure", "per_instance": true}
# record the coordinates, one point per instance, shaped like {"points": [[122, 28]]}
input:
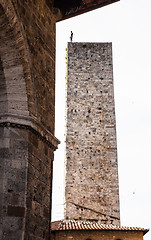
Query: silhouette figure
{"points": [[71, 36]]}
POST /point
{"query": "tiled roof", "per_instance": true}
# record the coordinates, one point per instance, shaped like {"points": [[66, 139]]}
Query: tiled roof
{"points": [[90, 225]]}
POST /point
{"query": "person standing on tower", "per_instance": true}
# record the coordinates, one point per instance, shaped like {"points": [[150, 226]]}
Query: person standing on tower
{"points": [[71, 36]]}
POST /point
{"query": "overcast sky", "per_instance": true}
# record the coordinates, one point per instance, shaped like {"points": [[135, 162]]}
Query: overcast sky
{"points": [[127, 24]]}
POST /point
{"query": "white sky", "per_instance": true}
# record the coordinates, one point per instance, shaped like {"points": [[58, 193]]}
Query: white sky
{"points": [[127, 24]]}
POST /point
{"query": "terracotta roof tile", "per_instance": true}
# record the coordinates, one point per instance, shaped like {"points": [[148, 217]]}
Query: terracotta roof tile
{"points": [[90, 225]]}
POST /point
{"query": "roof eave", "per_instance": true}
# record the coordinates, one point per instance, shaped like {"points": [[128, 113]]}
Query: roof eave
{"points": [[69, 230], [86, 8]]}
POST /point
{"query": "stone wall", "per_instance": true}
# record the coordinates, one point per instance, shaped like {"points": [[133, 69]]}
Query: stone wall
{"points": [[13, 167], [37, 21], [39, 188], [97, 235], [27, 116], [27, 106], [91, 190], [25, 177]]}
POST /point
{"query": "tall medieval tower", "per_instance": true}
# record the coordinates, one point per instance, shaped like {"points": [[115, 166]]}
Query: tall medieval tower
{"points": [[27, 112], [91, 190]]}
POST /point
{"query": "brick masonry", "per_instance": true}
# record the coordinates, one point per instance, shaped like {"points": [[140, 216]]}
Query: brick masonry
{"points": [[97, 235], [91, 190]]}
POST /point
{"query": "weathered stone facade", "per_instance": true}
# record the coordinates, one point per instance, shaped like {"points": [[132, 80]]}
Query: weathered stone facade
{"points": [[91, 190], [27, 114], [96, 235]]}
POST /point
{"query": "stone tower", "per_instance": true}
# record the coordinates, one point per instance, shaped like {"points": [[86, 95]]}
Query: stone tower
{"points": [[27, 112], [91, 184]]}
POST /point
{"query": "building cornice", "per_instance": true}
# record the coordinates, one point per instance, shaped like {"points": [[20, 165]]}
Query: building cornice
{"points": [[28, 122]]}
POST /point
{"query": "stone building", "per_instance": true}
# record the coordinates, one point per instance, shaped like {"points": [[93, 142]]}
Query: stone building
{"points": [[91, 185], [92, 209], [27, 111], [85, 230]]}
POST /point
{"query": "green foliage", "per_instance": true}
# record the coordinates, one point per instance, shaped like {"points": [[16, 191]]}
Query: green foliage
{"points": [[84, 45]]}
